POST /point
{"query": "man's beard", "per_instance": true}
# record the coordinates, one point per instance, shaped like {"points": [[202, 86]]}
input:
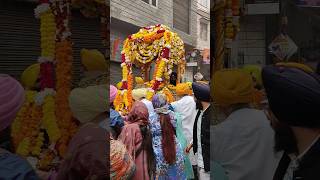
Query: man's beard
{"points": [[285, 139]]}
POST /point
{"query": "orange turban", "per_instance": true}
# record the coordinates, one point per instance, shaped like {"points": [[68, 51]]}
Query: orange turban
{"points": [[232, 86], [184, 89]]}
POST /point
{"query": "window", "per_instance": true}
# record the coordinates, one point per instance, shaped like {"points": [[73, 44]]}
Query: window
{"points": [[152, 2], [203, 31], [204, 3]]}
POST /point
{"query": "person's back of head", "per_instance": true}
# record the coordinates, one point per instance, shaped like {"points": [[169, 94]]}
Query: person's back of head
{"points": [[232, 89], [294, 100], [88, 104], [11, 99]]}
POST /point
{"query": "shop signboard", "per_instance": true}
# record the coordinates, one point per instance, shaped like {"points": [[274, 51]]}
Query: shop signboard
{"points": [[283, 47]]}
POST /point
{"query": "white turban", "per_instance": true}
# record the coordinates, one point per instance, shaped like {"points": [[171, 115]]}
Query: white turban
{"points": [[137, 94], [87, 103]]}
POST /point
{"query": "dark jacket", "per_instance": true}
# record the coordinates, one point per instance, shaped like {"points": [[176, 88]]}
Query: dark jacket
{"points": [[205, 136], [309, 166]]}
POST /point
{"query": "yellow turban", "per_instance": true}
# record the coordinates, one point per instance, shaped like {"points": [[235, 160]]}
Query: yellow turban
{"points": [[296, 65], [137, 94], [30, 75], [93, 60], [232, 86], [87, 103], [254, 71], [139, 80], [184, 89]]}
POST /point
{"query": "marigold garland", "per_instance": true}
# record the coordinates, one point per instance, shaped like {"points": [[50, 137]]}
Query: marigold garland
{"points": [[63, 86], [48, 34], [49, 119], [169, 95]]}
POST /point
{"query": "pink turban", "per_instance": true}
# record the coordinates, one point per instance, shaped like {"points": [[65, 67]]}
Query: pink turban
{"points": [[11, 99], [113, 93]]}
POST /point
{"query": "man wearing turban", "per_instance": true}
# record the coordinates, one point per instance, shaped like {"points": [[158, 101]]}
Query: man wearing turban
{"points": [[140, 94], [186, 107], [86, 156], [294, 100], [201, 129], [95, 68], [243, 142], [11, 99]]}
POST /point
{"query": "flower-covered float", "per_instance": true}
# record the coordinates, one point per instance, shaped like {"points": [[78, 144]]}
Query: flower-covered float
{"points": [[44, 126], [152, 44]]}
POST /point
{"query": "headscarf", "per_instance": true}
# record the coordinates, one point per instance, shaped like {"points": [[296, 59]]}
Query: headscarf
{"points": [[30, 75], [254, 71], [11, 99], [87, 103], [139, 113], [113, 93], [201, 91], [293, 95], [184, 89], [160, 104], [137, 94], [232, 86], [93, 60]]}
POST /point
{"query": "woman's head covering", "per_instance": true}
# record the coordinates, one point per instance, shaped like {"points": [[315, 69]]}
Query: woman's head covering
{"points": [[87, 103], [201, 91], [160, 104], [137, 94], [139, 113], [30, 75], [254, 71], [183, 89], [93, 60], [113, 93], [11, 99], [232, 86], [293, 95], [159, 100]]}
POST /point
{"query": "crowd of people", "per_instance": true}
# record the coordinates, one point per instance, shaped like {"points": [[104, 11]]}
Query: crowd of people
{"points": [[163, 140], [278, 140]]}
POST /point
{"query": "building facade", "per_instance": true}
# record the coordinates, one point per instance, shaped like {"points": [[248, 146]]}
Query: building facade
{"points": [[128, 16]]}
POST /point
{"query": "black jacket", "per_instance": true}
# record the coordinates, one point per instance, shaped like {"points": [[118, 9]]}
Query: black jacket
{"points": [[205, 136], [309, 166]]}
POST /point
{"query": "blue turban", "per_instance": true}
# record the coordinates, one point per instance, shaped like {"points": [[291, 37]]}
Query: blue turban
{"points": [[293, 95]]}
